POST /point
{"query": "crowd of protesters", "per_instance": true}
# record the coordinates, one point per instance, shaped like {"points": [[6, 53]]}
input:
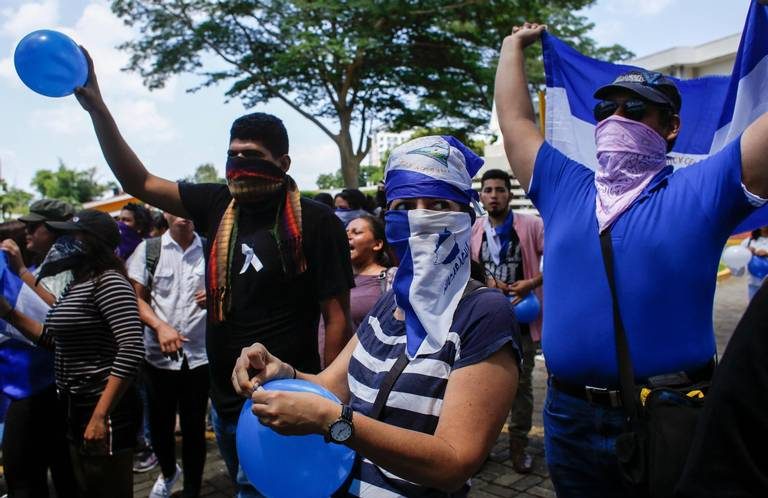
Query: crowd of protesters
{"points": [[138, 321]]}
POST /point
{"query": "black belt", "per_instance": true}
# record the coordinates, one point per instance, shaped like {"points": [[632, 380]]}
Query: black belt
{"points": [[611, 398], [596, 395]]}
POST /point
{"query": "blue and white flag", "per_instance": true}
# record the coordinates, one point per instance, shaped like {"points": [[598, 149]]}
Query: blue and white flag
{"points": [[25, 369], [715, 110]]}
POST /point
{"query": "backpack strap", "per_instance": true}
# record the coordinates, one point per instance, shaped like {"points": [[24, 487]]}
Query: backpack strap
{"points": [[152, 256], [402, 362]]}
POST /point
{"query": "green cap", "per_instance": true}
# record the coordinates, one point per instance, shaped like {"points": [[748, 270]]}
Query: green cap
{"points": [[48, 210]]}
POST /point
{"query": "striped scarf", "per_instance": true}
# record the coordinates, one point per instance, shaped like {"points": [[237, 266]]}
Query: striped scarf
{"points": [[254, 181]]}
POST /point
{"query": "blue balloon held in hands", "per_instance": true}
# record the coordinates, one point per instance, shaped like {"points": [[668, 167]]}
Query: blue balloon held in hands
{"points": [[758, 266], [528, 309], [50, 63], [289, 466]]}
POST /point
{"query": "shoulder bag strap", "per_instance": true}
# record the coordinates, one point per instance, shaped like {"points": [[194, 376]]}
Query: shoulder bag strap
{"points": [[152, 256], [402, 362], [626, 373]]}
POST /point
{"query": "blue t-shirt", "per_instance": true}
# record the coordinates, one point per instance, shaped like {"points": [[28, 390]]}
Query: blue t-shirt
{"points": [[483, 323], [666, 246]]}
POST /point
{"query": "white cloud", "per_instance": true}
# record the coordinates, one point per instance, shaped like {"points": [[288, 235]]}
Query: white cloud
{"points": [[607, 32], [142, 119], [309, 162], [63, 117], [29, 17], [644, 7]]}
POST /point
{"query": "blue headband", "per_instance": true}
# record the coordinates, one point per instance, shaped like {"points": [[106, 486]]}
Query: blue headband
{"points": [[433, 167]]}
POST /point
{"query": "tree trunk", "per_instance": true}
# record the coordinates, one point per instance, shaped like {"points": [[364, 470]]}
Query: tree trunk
{"points": [[350, 164]]}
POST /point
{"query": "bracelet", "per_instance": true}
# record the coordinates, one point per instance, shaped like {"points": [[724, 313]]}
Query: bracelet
{"points": [[294, 371], [22, 272]]}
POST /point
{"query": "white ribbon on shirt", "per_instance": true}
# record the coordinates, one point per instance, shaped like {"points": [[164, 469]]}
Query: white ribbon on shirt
{"points": [[250, 259]]}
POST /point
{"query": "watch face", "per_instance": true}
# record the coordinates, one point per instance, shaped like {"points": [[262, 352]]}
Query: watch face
{"points": [[340, 431]]}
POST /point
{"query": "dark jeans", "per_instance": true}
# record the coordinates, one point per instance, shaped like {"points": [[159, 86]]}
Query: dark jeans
{"points": [[521, 415], [580, 441], [184, 390], [34, 441], [100, 476]]}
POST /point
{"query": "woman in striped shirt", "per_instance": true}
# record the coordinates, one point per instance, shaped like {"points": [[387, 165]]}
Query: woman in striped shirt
{"points": [[96, 335], [431, 430]]}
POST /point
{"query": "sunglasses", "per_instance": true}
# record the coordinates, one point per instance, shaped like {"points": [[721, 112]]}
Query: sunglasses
{"points": [[249, 153], [634, 109], [33, 226]]}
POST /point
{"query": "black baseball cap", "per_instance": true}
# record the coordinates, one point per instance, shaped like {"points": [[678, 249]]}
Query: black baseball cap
{"points": [[48, 210], [96, 223], [649, 85]]}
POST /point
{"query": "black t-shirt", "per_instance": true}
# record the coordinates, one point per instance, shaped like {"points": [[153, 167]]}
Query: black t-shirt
{"points": [[728, 457], [266, 305]]}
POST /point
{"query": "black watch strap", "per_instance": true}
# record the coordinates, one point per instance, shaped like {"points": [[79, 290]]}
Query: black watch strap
{"points": [[346, 413]]}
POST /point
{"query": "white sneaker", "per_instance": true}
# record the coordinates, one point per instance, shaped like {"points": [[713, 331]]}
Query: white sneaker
{"points": [[164, 487]]}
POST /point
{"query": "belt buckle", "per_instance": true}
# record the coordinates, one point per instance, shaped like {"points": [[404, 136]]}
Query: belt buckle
{"points": [[613, 396]]}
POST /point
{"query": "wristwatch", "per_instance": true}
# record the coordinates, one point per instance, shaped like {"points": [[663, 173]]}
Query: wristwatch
{"points": [[342, 429]]}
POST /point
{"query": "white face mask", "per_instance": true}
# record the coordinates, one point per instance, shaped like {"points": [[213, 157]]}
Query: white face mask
{"points": [[433, 247]]}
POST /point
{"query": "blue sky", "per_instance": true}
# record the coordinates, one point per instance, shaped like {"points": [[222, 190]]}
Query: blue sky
{"points": [[173, 131]]}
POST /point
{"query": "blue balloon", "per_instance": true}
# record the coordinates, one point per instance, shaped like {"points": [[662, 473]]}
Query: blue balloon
{"points": [[289, 466], [758, 266], [528, 309], [50, 63]]}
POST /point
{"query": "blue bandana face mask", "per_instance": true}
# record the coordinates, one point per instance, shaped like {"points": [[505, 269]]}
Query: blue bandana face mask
{"points": [[347, 215], [433, 248]]}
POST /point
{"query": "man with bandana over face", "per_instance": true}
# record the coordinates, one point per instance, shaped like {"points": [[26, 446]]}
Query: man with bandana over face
{"points": [[276, 261], [667, 230]]}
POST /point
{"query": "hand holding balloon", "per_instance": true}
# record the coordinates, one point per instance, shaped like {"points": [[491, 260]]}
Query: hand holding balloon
{"points": [[288, 466], [89, 95], [294, 413], [255, 366]]}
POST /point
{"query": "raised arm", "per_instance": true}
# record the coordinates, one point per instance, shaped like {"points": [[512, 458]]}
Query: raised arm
{"points": [[130, 172], [754, 157], [514, 108]]}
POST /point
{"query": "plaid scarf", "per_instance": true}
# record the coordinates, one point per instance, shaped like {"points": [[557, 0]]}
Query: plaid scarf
{"points": [[253, 181]]}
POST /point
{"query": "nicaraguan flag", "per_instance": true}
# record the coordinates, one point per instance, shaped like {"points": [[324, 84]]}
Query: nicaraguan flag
{"points": [[715, 110], [25, 369]]}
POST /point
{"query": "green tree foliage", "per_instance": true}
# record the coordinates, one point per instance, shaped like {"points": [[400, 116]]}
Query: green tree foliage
{"points": [[348, 65], [13, 201], [205, 173], [326, 181], [71, 185]]}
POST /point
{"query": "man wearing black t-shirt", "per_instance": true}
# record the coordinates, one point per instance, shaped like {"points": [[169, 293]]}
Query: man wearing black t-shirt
{"points": [[275, 264]]}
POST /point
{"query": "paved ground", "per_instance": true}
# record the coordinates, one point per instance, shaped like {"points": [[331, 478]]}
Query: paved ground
{"points": [[497, 479]]}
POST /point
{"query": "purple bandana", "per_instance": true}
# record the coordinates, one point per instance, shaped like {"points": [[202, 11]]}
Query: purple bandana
{"points": [[630, 154]]}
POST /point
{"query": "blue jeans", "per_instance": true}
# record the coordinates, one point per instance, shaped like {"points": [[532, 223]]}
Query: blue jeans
{"points": [[579, 442], [225, 430]]}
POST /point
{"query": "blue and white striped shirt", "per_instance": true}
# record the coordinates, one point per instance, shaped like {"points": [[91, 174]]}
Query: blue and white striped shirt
{"points": [[483, 323]]}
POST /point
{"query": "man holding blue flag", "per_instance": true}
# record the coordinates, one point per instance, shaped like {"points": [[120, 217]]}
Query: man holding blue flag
{"points": [[667, 230]]}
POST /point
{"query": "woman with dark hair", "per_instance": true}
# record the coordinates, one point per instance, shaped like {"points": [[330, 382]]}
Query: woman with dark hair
{"points": [[425, 432], [134, 223], [372, 263], [324, 198], [350, 203], [96, 335]]}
